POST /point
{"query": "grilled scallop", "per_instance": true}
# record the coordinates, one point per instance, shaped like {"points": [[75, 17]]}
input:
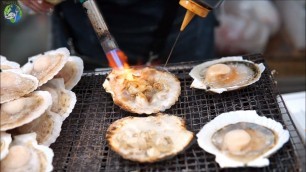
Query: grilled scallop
{"points": [[71, 72], [24, 110], [242, 138], [47, 127], [225, 74], [14, 84], [63, 101], [6, 64], [143, 91], [27, 156], [148, 139], [45, 66], [6, 140]]}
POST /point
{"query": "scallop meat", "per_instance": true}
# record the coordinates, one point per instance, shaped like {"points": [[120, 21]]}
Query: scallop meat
{"points": [[148, 139], [143, 91]]}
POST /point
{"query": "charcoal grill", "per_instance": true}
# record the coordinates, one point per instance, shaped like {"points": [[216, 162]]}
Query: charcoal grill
{"points": [[82, 145]]}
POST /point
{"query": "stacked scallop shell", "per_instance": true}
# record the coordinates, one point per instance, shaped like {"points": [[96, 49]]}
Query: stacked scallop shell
{"points": [[35, 100]]}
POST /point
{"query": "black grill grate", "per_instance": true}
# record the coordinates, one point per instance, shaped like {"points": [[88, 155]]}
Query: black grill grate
{"points": [[82, 145]]}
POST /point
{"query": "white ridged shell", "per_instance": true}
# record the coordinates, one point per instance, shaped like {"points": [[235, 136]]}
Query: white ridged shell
{"points": [[39, 157], [6, 64], [47, 127], [14, 84], [45, 66], [71, 72], [63, 101], [224, 119], [18, 112]]}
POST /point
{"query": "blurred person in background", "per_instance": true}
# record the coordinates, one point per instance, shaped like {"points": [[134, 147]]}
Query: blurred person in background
{"points": [[144, 30]]}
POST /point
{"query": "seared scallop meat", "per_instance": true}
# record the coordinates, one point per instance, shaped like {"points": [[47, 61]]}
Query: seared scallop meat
{"points": [[143, 91]]}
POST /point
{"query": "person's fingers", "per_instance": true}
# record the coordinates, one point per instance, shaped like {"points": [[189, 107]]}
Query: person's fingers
{"points": [[46, 5], [25, 2], [39, 6], [30, 5]]}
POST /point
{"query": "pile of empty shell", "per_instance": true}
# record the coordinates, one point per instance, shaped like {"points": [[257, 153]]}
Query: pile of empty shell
{"points": [[35, 100]]}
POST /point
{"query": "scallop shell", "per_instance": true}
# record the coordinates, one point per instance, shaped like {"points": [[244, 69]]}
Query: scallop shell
{"points": [[47, 127], [14, 84], [196, 74], [71, 72], [6, 64], [63, 101], [148, 139], [27, 156], [45, 66], [6, 140], [24, 110], [206, 133], [166, 94]]}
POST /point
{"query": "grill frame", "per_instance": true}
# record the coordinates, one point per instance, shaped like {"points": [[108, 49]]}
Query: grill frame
{"points": [[82, 145]]}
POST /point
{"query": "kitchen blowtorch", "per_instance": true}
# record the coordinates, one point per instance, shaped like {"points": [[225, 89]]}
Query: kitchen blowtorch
{"points": [[115, 57]]}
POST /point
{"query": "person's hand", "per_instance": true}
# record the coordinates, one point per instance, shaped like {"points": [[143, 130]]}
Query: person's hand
{"points": [[38, 6]]}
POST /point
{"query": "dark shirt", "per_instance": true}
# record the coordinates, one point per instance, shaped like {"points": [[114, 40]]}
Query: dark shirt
{"points": [[140, 27]]}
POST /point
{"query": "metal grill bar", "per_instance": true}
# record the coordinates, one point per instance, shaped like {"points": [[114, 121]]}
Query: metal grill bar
{"points": [[82, 145]]}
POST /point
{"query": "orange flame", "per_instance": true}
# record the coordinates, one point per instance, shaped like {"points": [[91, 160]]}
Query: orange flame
{"points": [[117, 59]]}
